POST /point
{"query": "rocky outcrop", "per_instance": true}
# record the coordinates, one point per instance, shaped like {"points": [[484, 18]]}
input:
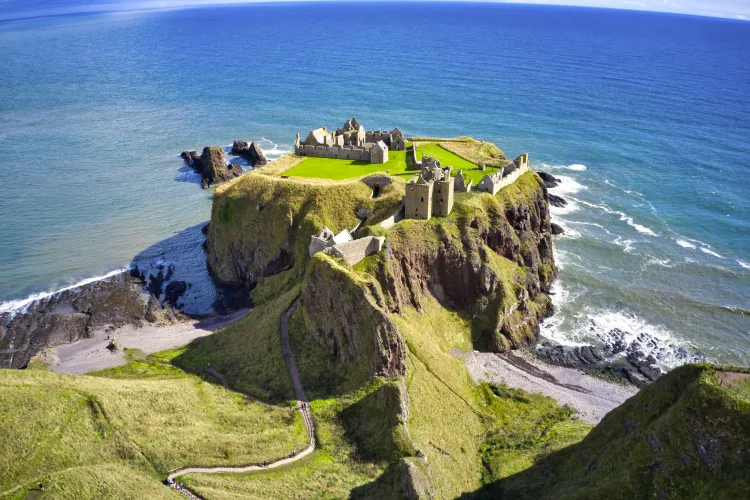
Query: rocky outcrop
{"points": [[129, 298], [556, 229], [211, 166], [70, 316], [261, 226], [251, 152], [345, 311], [492, 260], [571, 356], [549, 180], [557, 201]]}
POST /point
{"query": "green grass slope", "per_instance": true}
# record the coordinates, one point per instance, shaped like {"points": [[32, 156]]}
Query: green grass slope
{"points": [[683, 436], [116, 434]]}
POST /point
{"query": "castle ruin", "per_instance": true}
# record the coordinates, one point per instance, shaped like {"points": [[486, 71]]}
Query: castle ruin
{"points": [[350, 142], [431, 192]]}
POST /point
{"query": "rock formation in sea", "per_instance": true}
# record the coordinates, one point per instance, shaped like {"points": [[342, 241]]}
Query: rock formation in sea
{"points": [[251, 152], [212, 166]]}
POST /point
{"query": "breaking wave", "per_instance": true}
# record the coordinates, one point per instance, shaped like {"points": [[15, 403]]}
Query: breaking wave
{"points": [[684, 244], [742, 264], [623, 217], [710, 252], [20, 305]]}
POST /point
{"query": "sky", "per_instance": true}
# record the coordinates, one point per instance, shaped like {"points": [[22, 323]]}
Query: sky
{"points": [[10, 9]]}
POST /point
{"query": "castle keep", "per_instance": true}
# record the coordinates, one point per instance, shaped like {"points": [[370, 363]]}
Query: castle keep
{"points": [[431, 192], [350, 142]]}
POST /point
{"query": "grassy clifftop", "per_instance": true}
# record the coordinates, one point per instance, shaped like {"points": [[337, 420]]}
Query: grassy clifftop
{"points": [[261, 225], [684, 436], [115, 435]]}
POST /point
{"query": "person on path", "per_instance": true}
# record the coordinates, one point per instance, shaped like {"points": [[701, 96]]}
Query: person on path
{"points": [[41, 487]]}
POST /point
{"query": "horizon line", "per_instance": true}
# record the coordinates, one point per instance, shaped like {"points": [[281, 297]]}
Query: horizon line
{"points": [[159, 6]]}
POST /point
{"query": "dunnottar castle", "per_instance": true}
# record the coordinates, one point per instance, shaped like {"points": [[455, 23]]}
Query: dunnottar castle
{"points": [[429, 192]]}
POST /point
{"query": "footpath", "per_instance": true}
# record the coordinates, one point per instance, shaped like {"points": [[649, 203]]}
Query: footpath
{"points": [[302, 406]]}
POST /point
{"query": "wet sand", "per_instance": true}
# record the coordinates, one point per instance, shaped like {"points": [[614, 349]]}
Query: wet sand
{"points": [[92, 354], [590, 396]]}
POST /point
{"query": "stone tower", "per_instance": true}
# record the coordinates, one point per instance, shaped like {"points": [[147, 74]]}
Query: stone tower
{"points": [[442, 193], [419, 199]]}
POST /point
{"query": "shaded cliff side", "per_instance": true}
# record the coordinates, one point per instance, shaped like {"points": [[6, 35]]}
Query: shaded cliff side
{"points": [[683, 436], [491, 258], [261, 226]]}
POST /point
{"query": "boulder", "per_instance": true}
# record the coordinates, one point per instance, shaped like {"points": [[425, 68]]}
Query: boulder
{"points": [[557, 201], [114, 345], [215, 168], [571, 356], [556, 229], [251, 152], [549, 180]]}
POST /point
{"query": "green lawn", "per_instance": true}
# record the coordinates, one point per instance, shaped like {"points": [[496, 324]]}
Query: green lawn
{"points": [[448, 159], [335, 169], [332, 168]]}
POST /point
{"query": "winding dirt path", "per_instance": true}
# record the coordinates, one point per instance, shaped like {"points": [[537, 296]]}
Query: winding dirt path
{"points": [[302, 406]]}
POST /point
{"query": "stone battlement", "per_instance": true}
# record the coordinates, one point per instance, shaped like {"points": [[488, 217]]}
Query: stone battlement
{"points": [[351, 142]]}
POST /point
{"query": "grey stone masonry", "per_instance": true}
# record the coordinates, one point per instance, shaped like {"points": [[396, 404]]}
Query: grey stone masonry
{"points": [[350, 142]]}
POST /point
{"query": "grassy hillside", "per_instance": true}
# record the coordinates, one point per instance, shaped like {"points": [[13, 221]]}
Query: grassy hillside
{"points": [[339, 169], [117, 433], [683, 436]]}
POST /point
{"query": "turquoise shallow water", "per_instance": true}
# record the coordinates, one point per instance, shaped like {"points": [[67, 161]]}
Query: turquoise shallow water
{"points": [[645, 117]]}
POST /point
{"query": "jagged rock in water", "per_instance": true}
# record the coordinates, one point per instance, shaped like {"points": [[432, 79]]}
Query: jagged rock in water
{"points": [[173, 292], [251, 152], [215, 169], [556, 201], [549, 180], [69, 316], [571, 356], [556, 229]]}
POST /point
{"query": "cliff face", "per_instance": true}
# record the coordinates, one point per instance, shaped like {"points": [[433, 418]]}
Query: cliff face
{"points": [[492, 259], [345, 311], [261, 226], [684, 436]]}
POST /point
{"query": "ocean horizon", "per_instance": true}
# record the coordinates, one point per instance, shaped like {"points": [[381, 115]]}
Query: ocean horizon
{"points": [[645, 118]]}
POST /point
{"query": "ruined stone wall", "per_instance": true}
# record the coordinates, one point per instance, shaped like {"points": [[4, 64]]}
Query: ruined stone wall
{"points": [[354, 251], [334, 151], [418, 201], [442, 193]]}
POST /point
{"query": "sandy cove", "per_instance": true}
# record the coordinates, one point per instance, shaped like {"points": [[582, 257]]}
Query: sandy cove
{"points": [[590, 396], [92, 354]]}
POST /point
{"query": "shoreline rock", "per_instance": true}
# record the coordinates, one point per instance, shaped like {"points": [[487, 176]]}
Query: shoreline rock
{"points": [[549, 180], [212, 166], [251, 152], [557, 201], [556, 229]]}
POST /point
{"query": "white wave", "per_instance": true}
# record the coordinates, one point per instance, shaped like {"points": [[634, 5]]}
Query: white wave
{"points": [[659, 262], [20, 305], [684, 244], [627, 245], [623, 217], [577, 167], [571, 207], [567, 186], [710, 252], [593, 224], [743, 264]]}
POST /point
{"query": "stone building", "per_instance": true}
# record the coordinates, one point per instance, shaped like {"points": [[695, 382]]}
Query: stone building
{"points": [[350, 142], [495, 182], [461, 186], [344, 246], [431, 192]]}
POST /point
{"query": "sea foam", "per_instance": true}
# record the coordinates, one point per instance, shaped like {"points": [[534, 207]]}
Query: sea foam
{"points": [[20, 305], [684, 244]]}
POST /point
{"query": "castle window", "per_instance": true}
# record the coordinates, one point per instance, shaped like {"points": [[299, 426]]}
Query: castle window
{"points": [[441, 200], [421, 199]]}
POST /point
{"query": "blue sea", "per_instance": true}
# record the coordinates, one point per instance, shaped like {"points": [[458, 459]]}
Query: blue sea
{"points": [[644, 117]]}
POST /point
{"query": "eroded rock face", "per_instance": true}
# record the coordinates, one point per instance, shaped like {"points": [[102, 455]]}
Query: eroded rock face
{"points": [[349, 318], [459, 263], [70, 316], [251, 152], [211, 166], [549, 180]]}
